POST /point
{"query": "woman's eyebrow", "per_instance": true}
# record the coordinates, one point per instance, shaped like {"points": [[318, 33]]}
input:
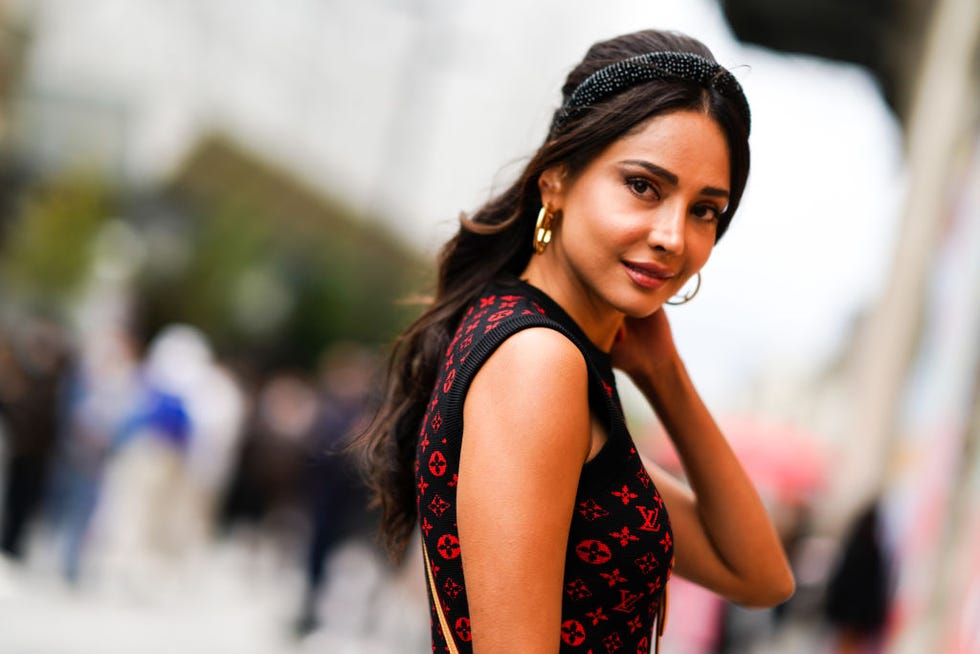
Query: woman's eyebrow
{"points": [[653, 169], [671, 178], [715, 192]]}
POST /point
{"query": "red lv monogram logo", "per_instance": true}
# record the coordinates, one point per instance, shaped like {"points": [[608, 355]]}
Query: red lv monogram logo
{"points": [[628, 601], [649, 518]]}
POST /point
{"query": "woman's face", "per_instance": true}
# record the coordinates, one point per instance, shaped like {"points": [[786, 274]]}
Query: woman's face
{"points": [[640, 219]]}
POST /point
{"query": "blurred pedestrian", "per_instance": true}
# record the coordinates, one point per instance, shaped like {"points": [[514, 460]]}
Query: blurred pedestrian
{"points": [[856, 605], [32, 368], [337, 495], [101, 393]]}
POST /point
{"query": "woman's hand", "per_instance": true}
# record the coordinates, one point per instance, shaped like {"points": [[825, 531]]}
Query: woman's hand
{"points": [[643, 345], [723, 537]]}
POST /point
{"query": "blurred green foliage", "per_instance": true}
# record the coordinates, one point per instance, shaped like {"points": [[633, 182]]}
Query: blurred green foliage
{"points": [[277, 270], [273, 272], [47, 245]]}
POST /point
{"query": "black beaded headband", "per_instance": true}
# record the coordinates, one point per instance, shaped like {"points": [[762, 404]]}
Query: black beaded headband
{"points": [[615, 78]]}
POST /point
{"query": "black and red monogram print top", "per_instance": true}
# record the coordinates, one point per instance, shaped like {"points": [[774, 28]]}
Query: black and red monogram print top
{"points": [[620, 546]]}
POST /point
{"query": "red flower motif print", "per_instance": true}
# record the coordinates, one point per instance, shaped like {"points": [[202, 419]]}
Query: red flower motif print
{"points": [[635, 623], [426, 526], [424, 443], [593, 551], [596, 616], [463, 629], [487, 301], [624, 536], [448, 546], [612, 642], [572, 633], [446, 385], [422, 485], [452, 588], [625, 494], [452, 482], [644, 478], [666, 541], [607, 387], [613, 578], [647, 563], [576, 589], [436, 422], [437, 464], [643, 647], [468, 341], [590, 510], [655, 585], [438, 505], [500, 315]]}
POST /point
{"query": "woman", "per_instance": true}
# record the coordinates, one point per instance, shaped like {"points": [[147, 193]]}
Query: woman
{"points": [[502, 434]]}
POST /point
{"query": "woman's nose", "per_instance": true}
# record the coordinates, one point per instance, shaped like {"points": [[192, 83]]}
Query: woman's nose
{"points": [[667, 229]]}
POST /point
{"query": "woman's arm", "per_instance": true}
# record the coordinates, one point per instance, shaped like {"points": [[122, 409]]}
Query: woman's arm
{"points": [[525, 439], [723, 537]]}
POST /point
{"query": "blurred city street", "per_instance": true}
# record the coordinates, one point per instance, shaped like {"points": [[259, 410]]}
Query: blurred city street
{"points": [[238, 601], [230, 602]]}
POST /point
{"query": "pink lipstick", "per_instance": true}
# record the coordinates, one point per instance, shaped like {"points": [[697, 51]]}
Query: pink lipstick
{"points": [[648, 275]]}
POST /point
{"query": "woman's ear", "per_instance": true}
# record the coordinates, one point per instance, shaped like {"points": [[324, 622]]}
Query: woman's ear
{"points": [[551, 183]]}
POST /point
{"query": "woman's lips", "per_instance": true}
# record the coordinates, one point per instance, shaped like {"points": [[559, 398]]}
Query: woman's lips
{"points": [[648, 275]]}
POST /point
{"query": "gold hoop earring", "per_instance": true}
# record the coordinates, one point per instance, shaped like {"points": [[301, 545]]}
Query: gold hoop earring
{"points": [[542, 229], [687, 297]]}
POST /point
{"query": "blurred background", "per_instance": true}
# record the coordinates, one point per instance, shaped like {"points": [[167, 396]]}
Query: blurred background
{"points": [[214, 215]]}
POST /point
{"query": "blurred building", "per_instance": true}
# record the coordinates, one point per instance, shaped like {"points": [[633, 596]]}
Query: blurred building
{"points": [[913, 369]]}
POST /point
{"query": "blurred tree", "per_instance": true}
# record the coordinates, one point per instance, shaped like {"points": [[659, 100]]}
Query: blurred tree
{"points": [[273, 268], [47, 248]]}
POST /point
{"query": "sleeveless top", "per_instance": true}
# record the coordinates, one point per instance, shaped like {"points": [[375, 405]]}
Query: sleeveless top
{"points": [[620, 547]]}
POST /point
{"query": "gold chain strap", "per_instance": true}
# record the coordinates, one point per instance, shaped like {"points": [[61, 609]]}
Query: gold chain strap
{"points": [[448, 635]]}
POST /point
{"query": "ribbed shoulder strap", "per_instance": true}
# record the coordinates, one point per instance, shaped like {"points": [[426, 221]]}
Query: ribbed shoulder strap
{"points": [[483, 347]]}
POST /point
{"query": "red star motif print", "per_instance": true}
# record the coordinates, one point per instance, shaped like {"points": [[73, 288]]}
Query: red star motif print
{"points": [[647, 563], [612, 642], [590, 510], [577, 590], [438, 506], [613, 578], [625, 494], [624, 536], [597, 616]]}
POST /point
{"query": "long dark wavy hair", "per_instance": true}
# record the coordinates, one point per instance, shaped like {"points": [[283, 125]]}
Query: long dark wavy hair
{"points": [[497, 240]]}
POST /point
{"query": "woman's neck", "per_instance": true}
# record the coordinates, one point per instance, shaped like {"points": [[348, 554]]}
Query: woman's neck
{"points": [[598, 320]]}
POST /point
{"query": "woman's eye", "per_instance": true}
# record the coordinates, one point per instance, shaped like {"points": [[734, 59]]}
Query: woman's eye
{"points": [[640, 186], [707, 212]]}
